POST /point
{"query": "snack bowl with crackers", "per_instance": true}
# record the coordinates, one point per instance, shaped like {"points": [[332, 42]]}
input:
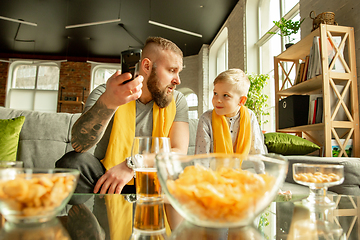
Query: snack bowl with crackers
{"points": [[318, 177], [220, 190], [35, 195]]}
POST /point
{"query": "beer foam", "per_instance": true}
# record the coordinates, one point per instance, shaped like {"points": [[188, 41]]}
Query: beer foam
{"points": [[145, 169]]}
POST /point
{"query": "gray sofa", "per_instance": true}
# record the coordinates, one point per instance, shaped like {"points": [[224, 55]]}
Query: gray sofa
{"points": [[45, 137]]}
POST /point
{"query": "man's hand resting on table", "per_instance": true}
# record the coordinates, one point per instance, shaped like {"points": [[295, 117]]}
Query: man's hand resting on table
{"points": [[114, 179]]}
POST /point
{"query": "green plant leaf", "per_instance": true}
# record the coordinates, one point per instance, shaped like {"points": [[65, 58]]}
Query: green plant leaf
{"points": [[287, 27], [256, 99]]}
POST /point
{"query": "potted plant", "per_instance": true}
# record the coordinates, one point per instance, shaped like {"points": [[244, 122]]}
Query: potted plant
{"points": [[257, 100], [287, 28]]}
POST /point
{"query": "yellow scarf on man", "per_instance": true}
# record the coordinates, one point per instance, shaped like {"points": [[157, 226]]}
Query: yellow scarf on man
{"points": [[119, 148], [222, 136]]}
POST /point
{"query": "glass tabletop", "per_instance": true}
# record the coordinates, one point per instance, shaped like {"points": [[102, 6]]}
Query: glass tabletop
{"points": [[94, 216]]}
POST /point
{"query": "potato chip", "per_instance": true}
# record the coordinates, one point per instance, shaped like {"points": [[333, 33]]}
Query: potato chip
{"points": [[37, 195], [226, 195]]}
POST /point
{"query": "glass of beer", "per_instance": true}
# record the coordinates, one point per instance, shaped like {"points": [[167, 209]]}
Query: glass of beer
{"points": [[143, 154], [149, 216]]}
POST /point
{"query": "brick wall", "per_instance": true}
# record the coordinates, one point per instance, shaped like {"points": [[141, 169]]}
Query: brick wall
{"points": [[4, 67], [74, 77], [236, 37]]}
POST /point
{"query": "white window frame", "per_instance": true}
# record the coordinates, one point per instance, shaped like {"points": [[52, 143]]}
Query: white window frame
{"points": [[11, 81], [254, 45], [220, 43], [95, 66]]}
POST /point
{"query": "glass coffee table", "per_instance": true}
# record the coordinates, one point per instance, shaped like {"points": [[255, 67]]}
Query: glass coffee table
{"points": [[91, 217]]}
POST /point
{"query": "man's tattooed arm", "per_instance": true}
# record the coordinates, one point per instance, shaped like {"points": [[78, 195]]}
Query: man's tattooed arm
{"points": [[90, 127]]}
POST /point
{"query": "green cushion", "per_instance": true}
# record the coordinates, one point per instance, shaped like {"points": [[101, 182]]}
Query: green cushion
{"points": [[9, 137], [287, 144]]}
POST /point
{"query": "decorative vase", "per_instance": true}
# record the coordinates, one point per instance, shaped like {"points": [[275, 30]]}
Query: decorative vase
{"points": [[288, 45]]}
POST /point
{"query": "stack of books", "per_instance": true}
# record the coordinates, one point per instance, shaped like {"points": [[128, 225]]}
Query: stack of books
{"points": [[315, 109], [311, 67]]}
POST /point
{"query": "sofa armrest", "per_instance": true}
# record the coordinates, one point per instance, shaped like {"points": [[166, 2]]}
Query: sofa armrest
{"points": [[351, 184]]}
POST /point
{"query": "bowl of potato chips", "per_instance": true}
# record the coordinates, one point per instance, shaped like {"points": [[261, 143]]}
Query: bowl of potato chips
{"points": [[35, 195], [220, 190]]}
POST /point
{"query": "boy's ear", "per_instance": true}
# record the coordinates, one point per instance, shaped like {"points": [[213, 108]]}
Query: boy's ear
{"points": [[242, 100]]}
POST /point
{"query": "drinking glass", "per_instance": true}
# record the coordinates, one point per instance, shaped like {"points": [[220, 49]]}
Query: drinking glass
{"points": [[143, 154], [11, 164]]}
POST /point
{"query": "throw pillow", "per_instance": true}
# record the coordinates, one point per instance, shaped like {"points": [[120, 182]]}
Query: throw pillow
{"points": [[287, 144], [9, 137]]}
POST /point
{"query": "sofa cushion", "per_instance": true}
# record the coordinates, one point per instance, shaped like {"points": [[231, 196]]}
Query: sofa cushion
{"points": [[44, 138], [9, 137], [287, 144]]}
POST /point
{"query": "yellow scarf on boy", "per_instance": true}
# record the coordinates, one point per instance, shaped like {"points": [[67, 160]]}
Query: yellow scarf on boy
{"points": [[222, 136], [119, 148]]}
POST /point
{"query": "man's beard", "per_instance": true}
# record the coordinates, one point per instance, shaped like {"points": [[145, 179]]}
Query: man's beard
{"points": [[160, 97]]}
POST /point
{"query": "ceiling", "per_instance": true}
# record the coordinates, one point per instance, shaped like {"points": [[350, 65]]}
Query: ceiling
{"points": [[51, 38]]}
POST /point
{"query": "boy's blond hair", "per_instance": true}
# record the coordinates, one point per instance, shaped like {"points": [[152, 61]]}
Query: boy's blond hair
{"points": [[235, 77]]}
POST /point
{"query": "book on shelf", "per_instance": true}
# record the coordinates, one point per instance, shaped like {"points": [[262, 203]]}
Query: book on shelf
{"points": [[314, 66], [319, 110], [300, 73], [307, 59], [338, 65], [313, 108]]}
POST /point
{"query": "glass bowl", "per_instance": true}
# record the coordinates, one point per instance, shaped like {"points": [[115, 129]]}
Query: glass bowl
{"points": [[35, 195], [220, 190], [11, 164], [318, 177]]}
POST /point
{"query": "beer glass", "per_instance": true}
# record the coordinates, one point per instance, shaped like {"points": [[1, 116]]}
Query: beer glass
{"points": [[143, 154], [149, 216]]}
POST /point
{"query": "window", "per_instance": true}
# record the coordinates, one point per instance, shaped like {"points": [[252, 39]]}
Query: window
{"points": [[192, 101], [269, 46], [101, 72], [218, 62], [33, 86], [222, 58]]}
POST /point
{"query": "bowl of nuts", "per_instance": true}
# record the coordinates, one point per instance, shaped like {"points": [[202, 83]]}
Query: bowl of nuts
{"points": [[318, 177], [35, 195]]}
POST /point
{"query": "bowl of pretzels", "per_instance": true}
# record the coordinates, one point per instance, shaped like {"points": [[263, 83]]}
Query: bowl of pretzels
{"points": [[35, 195]]}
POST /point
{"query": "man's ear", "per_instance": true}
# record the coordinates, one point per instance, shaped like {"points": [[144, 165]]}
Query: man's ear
{"points": [[146, 65], [242, 100]]}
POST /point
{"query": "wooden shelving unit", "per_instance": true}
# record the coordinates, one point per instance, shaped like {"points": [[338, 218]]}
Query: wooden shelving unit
{"points": [[326, 84], [61, 102]]}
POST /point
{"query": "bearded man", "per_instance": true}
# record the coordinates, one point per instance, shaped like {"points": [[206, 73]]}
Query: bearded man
{"points": [[121, 106]]}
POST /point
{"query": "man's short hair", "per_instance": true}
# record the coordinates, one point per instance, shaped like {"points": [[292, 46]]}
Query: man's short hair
{"points": [[163, 43], [237, 78]]}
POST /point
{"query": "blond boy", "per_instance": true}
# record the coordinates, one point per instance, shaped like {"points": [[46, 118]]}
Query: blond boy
{"points": [[230, 119]]}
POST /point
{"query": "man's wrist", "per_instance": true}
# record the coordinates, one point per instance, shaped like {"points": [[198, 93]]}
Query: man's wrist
{"points": [[130, 164]]}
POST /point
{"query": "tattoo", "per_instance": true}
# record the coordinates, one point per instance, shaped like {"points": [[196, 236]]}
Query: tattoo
{"points": [[90, 127]]}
